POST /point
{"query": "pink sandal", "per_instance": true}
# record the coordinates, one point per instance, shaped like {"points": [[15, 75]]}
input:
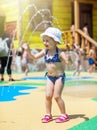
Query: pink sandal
{"points": [[47, 118], [62, 118]]}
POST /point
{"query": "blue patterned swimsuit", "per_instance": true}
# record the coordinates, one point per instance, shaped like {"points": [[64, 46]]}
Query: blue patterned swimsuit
{"points": [[54, 59], [91, 61]]}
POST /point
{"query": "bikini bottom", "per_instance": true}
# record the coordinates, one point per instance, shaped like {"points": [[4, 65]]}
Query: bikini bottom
{"points": [[54, 78]]}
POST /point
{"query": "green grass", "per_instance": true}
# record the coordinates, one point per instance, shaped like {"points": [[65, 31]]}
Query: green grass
{"points": [[95, 99]]}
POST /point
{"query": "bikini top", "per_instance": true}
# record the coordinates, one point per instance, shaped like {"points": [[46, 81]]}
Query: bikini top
{"points": [[54, 59]]}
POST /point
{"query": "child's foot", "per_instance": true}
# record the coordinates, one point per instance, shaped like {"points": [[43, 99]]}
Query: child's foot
{"points": [[2, 79], [47, 118], [11, 79], [62, 118]]}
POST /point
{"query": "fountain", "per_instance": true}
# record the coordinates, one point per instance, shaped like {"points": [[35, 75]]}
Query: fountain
{"points": [[40, 18]]}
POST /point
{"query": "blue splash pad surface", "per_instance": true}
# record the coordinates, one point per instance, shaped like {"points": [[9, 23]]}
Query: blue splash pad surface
{"points": [[9, 93], [67, 78]]}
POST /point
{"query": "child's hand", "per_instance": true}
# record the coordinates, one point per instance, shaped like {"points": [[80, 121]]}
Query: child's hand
{"points": [[67, 58], [25, 46]]}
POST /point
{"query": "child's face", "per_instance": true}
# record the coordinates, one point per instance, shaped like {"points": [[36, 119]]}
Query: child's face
{"points": [[49, 42]]}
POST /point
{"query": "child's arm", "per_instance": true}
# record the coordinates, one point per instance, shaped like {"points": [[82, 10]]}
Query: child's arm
{"points": [[33, 56], [64, 57]]}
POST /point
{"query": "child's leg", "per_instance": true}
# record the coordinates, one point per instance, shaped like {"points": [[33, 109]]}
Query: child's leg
{"points": [[76, 68], [79, 69], [57, 95], [49, 95], [26, 70], [92, 68]]}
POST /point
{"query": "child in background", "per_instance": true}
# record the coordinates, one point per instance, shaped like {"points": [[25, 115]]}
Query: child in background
{"points": [[25, 61], [55, 60], [72, 28], [85, 30], [6, 61], [92, 59], [77, 60]]}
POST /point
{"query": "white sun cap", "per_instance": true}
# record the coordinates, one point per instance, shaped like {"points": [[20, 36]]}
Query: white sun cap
{"points": [[54, 33]]}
